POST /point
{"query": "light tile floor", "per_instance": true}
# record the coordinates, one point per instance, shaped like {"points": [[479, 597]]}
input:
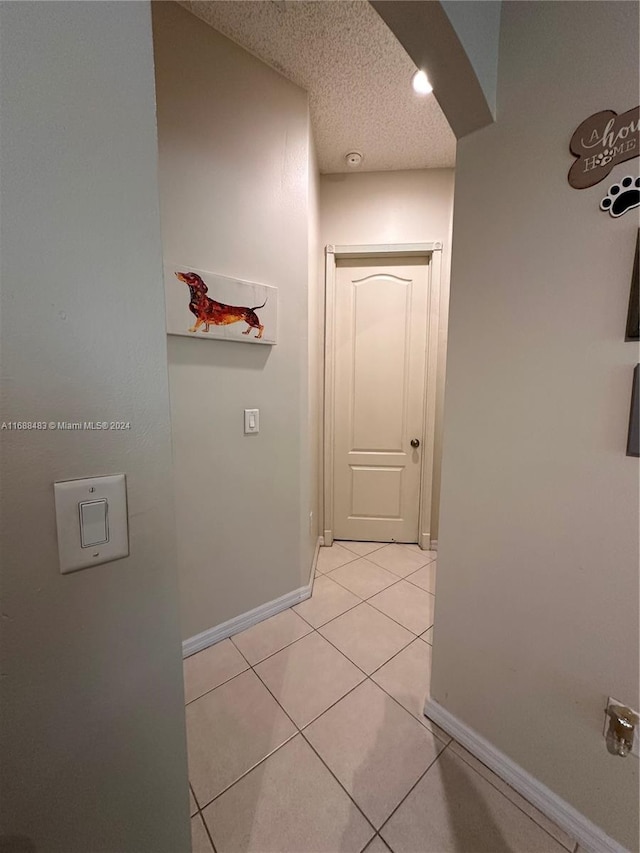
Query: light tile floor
{"points": [[305, 733]]}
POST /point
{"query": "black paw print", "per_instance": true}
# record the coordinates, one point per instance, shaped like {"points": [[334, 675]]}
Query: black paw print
{"points": [[622, 197]]}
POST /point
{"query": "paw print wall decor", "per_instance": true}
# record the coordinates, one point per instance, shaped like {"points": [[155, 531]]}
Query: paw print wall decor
{"points": [[622, 197], [601, 142]]}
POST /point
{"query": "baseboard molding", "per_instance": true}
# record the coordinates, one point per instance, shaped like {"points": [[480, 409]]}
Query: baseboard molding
{"points": [[434, 544], [246, 620], [425, 542], [591, 838]]}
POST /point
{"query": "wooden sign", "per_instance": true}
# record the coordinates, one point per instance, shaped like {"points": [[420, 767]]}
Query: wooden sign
{"points": [[601, 142]]}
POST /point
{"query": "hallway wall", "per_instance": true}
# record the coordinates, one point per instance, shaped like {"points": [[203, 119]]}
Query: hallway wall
{"points": [[536, 619], [316, 355], [234, 189], [478, 28], [92, 739], [396, 207]]}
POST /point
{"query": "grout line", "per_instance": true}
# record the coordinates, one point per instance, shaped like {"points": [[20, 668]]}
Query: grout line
{"points": [[369, 843], [314, 628], [253, 767], [354, 558], [277, 651], [415, 784], [311, 746], [222, 684], [206, 829], [417, 568], [393, 583], [425, 727], [417, 585], [328, 708], [400, 623], [379, 545], [211, 689], [368, 601]]}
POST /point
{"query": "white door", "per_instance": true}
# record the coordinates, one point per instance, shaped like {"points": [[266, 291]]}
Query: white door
{"points": [[380, 368]]}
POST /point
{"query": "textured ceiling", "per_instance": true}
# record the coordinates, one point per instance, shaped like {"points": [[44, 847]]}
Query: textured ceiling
{"points": [[357, 74]]}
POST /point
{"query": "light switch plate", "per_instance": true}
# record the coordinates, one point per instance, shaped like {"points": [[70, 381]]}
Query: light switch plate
{"points": [[91, 493], [251, 421]]}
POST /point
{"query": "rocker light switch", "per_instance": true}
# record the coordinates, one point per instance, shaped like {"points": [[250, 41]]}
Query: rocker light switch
{"points": [[94, 525], [251, 421], [91, 520]]}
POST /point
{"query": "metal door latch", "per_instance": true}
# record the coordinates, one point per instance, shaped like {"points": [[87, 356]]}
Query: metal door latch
{"points": [[621, 731]]}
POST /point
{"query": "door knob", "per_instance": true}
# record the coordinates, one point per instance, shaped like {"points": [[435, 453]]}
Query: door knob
{"points": [[415, 442]]}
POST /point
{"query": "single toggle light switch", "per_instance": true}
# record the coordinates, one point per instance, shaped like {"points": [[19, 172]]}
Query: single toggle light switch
{"points": [[251, 421], [94, 523]]}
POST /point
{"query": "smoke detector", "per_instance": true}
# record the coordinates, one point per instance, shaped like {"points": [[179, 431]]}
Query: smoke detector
{"points": [[354, 159]]}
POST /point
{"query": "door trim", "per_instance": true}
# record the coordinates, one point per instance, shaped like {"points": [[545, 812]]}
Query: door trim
{"points": [[383, 251]]}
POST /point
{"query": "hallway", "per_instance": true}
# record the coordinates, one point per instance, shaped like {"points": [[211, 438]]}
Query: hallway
{"points": [[306, 733]]}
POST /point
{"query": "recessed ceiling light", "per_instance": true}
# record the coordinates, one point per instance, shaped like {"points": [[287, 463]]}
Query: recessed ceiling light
{"points": [[420, 83]]}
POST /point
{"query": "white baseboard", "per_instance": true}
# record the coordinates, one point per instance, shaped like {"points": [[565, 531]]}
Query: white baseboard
{"points": [[434, 544], [245, 620], [425, 541], [592, 839]]}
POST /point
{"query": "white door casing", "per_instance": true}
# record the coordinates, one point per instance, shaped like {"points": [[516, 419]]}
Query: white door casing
{"points": [[381, 315], [380, 351]]}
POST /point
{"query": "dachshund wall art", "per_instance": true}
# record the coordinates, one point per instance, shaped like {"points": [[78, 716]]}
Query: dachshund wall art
{"points": [[215, 314]]}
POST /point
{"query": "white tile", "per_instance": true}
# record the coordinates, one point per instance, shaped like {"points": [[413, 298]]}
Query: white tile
{"points": [[366, 636], [363, 578], [407, 604], [425, 577], [400, 559], [332, 557], [200, 842], [362, 548], [374, 747], [428, 636], [308, 676], [542, 820], [229, 730], [453, 809], [211, 667], [288, 804], [329, 600], [265, 638]]}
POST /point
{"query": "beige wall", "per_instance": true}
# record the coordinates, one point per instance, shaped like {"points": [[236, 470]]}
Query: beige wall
{"points": [[92, 735], [316, 356], [478, 28], [396, 207], [537, 608], [234, 173]]}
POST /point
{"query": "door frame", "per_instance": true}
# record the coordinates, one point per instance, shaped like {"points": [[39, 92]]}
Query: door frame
{"points": [[384, 251]]}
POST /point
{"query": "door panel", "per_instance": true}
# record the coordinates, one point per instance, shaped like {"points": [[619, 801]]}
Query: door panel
{"points": [[381, 337]]}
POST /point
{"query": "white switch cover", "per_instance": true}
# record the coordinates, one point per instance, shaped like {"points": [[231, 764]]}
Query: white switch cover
{"points": [[251, 421], [92, 523]]}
